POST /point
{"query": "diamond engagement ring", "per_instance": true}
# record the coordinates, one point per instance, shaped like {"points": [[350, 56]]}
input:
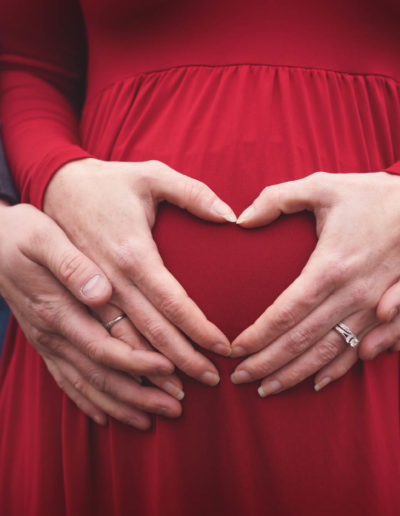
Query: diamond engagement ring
{"points": [[111, 323], [350, 337]]}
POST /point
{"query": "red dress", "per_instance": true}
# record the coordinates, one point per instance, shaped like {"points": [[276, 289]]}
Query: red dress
{"points": [[240, 95]]}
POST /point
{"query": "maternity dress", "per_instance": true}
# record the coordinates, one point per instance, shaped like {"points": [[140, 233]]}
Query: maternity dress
{"points": [[239, 94]]}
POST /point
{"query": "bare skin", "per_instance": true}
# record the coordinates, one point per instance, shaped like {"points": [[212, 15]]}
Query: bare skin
{"points": [[45, 280], [352, 276], [117, 210]]}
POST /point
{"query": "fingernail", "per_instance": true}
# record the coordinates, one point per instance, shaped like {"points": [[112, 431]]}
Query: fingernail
{"points": [[94, 287], [210, 378], [172, 389], [221, 349], [323, 383], [223, 210], [393, 313], [269, 388], [241, 376], [246, 215], [237, 351]]}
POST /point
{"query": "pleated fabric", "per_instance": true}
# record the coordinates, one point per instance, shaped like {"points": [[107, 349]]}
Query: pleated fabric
{"points": [[238, 128]]}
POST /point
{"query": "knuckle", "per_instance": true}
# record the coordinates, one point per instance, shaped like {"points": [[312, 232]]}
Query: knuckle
{"points": [[69, 265], [283, 319], [98, 380], [156, 165], [45, 340], [172, 307], [260, 369], [56, 346], [128, 257], [35, 335], [95, 352], [155, 332], [79, 384], [299, 341], [328, 350], [152, 171], [44, 311], [188, 364], [337, 271], [194, 192], [190, 361]]}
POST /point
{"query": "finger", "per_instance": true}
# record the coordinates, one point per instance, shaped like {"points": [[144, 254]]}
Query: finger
{"points": [[80, 401], [311, 290], [294, 343], [169, 297], [51, 248], [88, 335], [325, 352], [190, 194], [288, 197], [380, 339], [120, 411], [304, 366], [124, 330], [388, 306], [161, 334], [88, 378], [336, 369]]}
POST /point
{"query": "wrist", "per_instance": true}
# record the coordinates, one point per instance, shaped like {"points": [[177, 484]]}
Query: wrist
{"points": [[63, 182]]}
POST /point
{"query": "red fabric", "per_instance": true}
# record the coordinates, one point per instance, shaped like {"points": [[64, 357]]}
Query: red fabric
{"points": [[239, 95]]}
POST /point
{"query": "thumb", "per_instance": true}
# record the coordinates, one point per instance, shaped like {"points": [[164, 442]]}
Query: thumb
{"points": [[51, 248], [284, 198], [191, 195]]}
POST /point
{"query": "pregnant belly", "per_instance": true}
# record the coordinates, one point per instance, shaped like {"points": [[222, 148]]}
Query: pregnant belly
{"points": [[233, 274]]}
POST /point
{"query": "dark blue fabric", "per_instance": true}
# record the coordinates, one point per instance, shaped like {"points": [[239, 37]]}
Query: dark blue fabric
{"points": [[7, 188], [4, 316]]}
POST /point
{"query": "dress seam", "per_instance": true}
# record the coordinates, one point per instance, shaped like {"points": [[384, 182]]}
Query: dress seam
{"points": [[235, 65]]}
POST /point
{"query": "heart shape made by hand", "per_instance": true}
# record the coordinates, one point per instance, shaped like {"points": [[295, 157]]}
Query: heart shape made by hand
{"points": [[233, 274]]}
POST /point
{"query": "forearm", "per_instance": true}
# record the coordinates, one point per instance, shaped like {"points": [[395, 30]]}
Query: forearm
{"points": [[41, 84]]}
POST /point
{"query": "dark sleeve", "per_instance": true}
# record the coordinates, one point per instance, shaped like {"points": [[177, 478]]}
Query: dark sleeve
{"points": [[42, 65], [7, 188]]}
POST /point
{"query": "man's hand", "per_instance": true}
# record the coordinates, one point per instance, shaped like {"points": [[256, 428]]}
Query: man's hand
{"points": [[37, 262]]}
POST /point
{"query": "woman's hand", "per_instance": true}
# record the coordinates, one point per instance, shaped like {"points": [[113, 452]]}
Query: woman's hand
{"points": [[108, 210], [356, 260], [37, 262]]}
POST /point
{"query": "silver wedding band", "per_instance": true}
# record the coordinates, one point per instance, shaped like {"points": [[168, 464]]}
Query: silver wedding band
{"points": [[349, 336], [108, 325]]}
